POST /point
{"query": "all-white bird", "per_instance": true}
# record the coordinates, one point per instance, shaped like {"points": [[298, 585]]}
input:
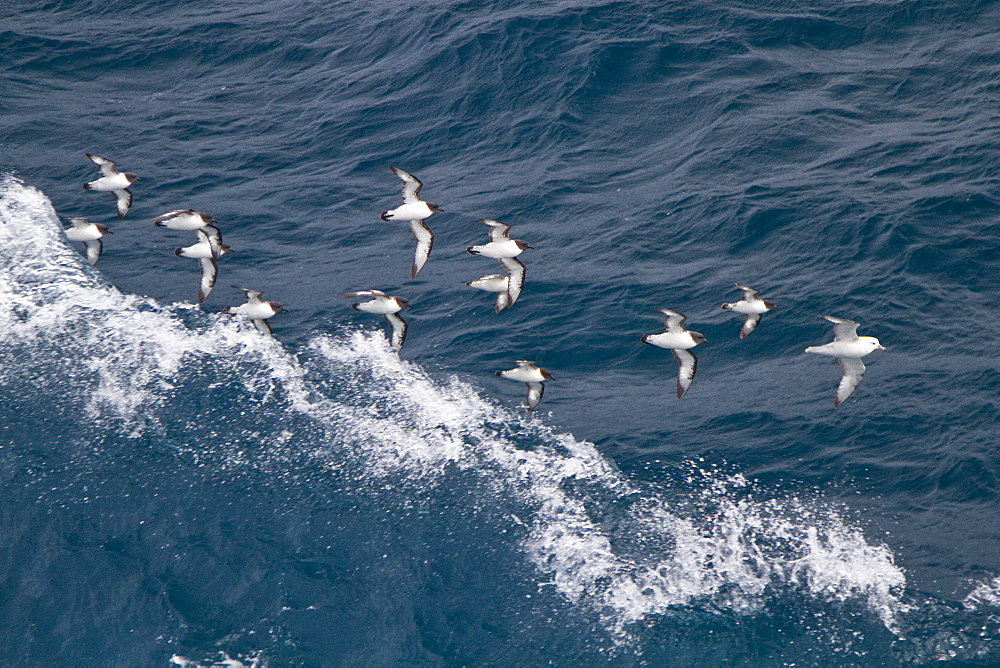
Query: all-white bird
{"points": [[414, 210], [533, 376], [501, 247], [382, 304], [256, 309], [678, 340], [752, 306], [90, 234], [113, 181], [207, 251], [184, 219], [848, 348], [498, 283]]}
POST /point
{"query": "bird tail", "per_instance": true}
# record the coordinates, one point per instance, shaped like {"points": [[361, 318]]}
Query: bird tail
{"points": [[385, 216], [727, 306], [86, 186], [471, 251]]}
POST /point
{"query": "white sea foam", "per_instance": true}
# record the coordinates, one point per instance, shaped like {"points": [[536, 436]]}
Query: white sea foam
{"points": [[723, 550]]}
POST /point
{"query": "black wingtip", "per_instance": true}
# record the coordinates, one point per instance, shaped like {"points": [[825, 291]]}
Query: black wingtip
{"points": [[177, 251], [470, 251]]}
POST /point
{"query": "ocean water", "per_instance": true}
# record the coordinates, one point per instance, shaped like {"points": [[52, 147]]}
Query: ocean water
{"points": [[176, 484]]}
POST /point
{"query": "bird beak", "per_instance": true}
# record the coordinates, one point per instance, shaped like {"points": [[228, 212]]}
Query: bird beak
{"points": [[881, 347]]}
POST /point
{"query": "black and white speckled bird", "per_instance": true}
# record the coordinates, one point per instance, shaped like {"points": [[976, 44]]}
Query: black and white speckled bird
{"points": [[256, 309], [90, 234], [207, 251], [113, 181], [752, 306], [382, 304], [533, 376], [679, 341], [414, 211]]}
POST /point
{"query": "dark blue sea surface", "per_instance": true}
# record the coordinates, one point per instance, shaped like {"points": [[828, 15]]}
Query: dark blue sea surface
{"points": [[177, 485]]}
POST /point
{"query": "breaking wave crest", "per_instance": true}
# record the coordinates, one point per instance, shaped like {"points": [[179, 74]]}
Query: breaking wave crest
{"points": [[626, 551]]}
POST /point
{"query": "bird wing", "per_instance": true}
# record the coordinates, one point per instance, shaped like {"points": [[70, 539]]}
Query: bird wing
{"points": [[211, 235], [535, 391], [209, 270], [853, 369], [687, 364], [171, 214], [749, 324], [107, 167], [263, 325], [843, 329], [674, 321], [498, 230], [411, 185], [516, 269], [253, 296], [94, 248], [503, 301], [398, 330], [748, 292], [124, 201], [362, 293], [425, 241]]}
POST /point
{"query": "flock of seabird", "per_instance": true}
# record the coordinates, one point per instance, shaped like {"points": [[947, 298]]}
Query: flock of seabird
{"points": [[847, 346]]}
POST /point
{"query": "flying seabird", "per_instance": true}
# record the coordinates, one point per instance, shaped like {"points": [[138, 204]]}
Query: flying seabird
{"points": [[501, 247], [208, 249], [498, 283], [678, 340], [114, 181], [383, 304], [752, 306], [848, 348], [184, 219], [256, 309], [414, 210], [533, 376], [90, 234]]}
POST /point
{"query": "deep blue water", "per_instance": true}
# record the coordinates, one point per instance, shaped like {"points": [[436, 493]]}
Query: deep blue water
{"points": [[174, 483]]}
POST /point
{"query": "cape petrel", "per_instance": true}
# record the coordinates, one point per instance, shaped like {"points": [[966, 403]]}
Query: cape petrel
{"points": [[678, 340]]}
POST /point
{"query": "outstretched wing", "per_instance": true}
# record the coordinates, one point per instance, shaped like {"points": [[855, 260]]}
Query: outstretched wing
{"points": [[411, 185], [425, 241], [398, 330], [503, 301], [209, 270], [843, 329], [252, 295], [674, 321], [211, 235], [687, 364], [106, 166], [853, 369], [516, 270], [171, 214], [748, 292], [94, 248], [263, 326], [124, 201], [535, 391], [362, 293], [498, 230], [749, 324]]}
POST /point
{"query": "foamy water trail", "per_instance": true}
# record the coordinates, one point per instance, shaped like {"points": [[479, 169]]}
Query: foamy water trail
{"points": [[605, 543]]}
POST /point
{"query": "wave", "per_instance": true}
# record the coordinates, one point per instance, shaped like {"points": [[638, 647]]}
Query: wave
{"points": [[622, 551]]}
